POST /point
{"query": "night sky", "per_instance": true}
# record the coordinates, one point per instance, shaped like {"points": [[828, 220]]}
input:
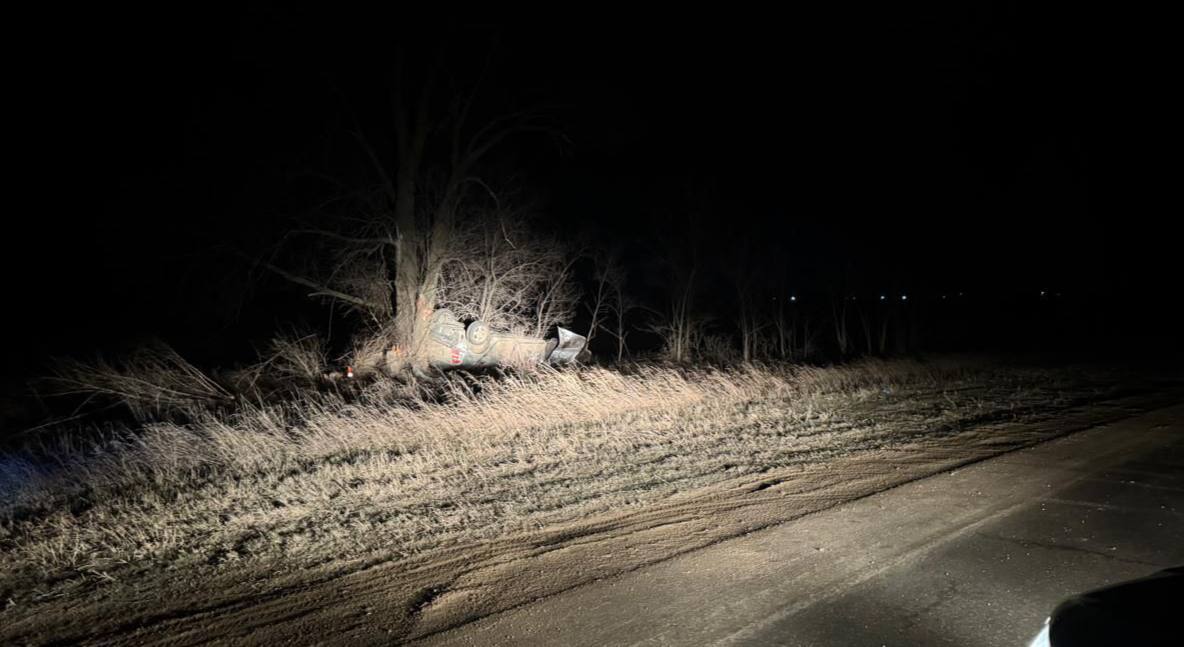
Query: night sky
{"points": [[983, 149]]}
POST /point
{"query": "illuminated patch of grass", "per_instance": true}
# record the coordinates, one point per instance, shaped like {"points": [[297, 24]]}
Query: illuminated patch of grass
{"points": [[326, 479]]}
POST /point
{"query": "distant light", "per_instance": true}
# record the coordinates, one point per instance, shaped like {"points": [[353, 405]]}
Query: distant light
{"points": [[943, 297], [793, 298], [904, 297], [1042, 293], [959, 294], [882, 297]]}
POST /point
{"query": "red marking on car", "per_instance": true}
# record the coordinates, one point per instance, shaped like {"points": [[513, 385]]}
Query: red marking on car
{"points": [[455, 356]]}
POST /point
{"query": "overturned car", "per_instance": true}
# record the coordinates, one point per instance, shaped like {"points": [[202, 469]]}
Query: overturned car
{"points": [[452, 344]]}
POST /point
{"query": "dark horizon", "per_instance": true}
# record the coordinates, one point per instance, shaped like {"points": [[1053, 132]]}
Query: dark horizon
{"points": [[927, 155]]}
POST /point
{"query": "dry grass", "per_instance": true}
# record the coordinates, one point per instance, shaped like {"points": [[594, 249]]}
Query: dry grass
{"points": [[292, 363], [326, 479], [154, 381]]}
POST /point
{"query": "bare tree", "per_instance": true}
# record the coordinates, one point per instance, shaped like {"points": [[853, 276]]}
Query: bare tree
{"points": [[619, 305], [839, 318], [884, 333], [392, 257], [749, 321], [423, 234], [557, 300], [785, 318], [610, 304], [875, 328], [680, 327], [605, 268], [508, 275], [809, 338], [866, 327], [677, 322], [785, 324]]}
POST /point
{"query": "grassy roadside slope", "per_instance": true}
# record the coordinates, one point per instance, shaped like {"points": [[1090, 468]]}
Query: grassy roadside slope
{"points": [[268, 499]]}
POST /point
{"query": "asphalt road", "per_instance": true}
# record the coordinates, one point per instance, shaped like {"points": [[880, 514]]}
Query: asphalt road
{"points": [[977, 556]]}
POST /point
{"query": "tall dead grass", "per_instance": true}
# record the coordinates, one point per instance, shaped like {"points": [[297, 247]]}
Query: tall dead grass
{"points": [[154, 381], [484, 455], [474, 410]]}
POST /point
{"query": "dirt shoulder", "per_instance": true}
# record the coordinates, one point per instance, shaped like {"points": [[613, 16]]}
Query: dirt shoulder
{"points": [[387, 598], [973, 557]]}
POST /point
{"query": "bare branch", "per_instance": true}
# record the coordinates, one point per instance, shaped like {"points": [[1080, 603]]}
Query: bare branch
{"points": [[318, 289], [343, 238]]}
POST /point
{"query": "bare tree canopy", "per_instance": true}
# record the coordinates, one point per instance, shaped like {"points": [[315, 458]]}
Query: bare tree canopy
{"points": [[502, 272], [430, 231]]}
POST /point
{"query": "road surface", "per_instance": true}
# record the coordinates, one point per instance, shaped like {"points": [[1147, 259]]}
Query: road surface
{"points": [[976, 556]]}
